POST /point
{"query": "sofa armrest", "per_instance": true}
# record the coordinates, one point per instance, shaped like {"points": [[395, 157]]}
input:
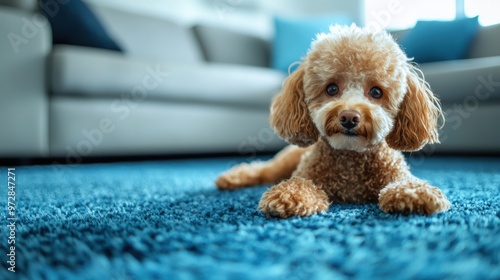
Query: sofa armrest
{"points": [[28, 5], [26, 42], [226, 46]]}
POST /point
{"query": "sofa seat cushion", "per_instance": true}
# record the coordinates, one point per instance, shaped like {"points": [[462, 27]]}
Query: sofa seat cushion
{"points": [[94, 73], [459, 81]]}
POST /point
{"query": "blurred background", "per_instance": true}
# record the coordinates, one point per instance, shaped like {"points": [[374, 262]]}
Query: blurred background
{"points": [[85, 79], [260, 12]]}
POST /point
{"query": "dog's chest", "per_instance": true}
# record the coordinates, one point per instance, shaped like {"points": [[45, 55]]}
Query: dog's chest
{"points": [[348, 176]]}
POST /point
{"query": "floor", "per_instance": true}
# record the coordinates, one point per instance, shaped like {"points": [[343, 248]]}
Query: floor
{"points": [[166, 220]]}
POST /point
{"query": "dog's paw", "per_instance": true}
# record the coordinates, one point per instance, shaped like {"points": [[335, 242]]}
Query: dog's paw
{"points": [[240, 176], [294, 197], [413, 197]]}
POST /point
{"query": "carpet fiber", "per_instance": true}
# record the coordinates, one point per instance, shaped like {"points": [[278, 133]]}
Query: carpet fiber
{"points": [[166, 220]]}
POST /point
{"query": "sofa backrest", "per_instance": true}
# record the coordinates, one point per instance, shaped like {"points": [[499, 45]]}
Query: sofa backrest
{"points": [[223, 45], [150, 37], [485, 44]]}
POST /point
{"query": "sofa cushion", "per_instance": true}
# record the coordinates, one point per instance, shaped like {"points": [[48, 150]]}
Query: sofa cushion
{"points": [[431, 41], [154, 128], [75, 24], [150, 37], [293, 37], [80, 71]]}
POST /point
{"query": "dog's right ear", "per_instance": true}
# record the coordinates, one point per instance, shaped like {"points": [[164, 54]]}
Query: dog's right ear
{"points": [[290, 117]]}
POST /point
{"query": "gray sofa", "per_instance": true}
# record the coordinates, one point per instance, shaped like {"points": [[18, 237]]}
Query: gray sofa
{"points": [[170, 93], [469, 90], [192, 89]]}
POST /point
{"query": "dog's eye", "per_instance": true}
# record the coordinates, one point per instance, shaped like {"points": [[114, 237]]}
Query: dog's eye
{"points": [[376, 92], [332, 90]]}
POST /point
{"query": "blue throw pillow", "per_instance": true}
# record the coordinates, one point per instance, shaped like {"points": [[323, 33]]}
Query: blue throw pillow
{"points": [[432, 41], [73, 23], [293, 37]]}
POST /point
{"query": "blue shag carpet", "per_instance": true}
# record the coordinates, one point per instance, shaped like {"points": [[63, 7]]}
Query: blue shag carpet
{"points": [[166, 220]]}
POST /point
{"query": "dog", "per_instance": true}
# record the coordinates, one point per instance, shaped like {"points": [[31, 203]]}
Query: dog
{"points": [[355, 102]]}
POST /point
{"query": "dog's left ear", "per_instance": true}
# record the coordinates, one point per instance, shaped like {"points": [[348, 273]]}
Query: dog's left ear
{"points": [[417, 121]]}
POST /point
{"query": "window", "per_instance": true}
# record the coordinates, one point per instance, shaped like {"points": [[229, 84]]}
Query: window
{"points": [[487, 10], [403, 14]]}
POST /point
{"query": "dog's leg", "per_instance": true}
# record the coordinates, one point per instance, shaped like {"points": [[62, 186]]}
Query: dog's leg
{"points": [[294, 197], [412, 195], [278, 168]]}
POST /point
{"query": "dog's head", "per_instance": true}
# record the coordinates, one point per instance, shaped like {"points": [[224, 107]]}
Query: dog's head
{"points": [[354, 89]]}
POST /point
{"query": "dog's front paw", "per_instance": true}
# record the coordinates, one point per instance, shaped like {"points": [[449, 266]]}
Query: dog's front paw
{"points": [[240, 176], [294, 197], [413, 197]]}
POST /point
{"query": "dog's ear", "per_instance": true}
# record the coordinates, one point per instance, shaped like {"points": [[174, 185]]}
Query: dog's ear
{"points": [[289, 114], [417, 121]]}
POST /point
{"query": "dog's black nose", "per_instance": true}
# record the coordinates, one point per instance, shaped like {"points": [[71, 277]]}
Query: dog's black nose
{"points": [[349, 119]]}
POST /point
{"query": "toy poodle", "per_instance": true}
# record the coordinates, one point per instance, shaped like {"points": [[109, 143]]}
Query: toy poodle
{"points": [[353, 104]]}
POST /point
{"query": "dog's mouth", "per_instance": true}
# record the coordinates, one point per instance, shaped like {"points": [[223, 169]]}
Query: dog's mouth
{"points": [[350, 132], [348, 139]]}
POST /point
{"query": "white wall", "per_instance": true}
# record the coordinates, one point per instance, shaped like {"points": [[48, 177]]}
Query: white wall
{"points": [[253, 16], [352, 8]]}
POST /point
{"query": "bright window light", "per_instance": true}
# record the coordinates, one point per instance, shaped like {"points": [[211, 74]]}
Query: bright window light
{"points": [[487, 10], [403, 14]]}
